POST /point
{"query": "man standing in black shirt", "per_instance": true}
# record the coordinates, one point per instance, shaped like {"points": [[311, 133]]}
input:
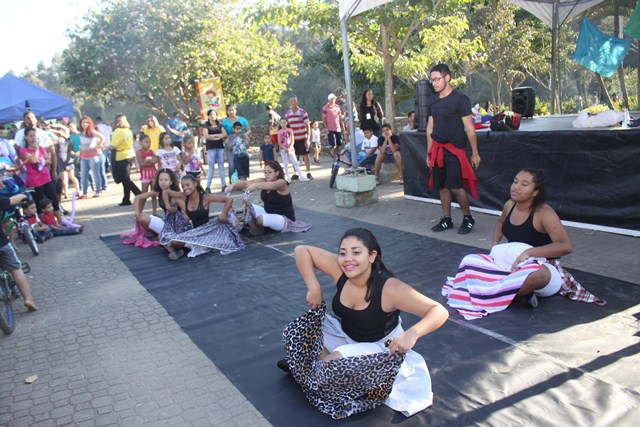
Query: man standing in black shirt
{"points": [[448, 130]]}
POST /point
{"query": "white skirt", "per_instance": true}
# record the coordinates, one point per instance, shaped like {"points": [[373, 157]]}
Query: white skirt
{"points": [[411, 392]]}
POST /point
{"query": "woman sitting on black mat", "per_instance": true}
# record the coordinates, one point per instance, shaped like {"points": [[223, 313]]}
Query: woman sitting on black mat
{"points": [[366, 342], [528, 266], [278, 213], [207, 234]]}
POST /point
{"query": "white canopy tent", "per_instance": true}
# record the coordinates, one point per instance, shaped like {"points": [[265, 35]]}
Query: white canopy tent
{"points": [[554, 13], [347, 9]]}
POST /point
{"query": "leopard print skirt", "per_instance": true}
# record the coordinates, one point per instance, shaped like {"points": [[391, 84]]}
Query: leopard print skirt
{"points": [[339, 387]]}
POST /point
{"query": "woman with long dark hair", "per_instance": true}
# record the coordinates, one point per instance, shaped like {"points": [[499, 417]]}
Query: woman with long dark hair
{"points": [[122, 143], [367, 303], [214, 135], [218, 233], [370, 113], [277, 212]]}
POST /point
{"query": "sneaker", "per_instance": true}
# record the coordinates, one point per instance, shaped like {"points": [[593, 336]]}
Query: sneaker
{"points": [[125, 203], [294, 177], [80, 229], [207, 190], [284, 365], [531, 300], [467, 225], [173, 256], [309, 177], [444, 224], [256, 231]]}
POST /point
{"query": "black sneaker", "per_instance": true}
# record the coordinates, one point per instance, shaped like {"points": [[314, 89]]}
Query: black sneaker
{"points": [[444, 224], [294, 177], [309, 177], [282, 364], [467, 225]]}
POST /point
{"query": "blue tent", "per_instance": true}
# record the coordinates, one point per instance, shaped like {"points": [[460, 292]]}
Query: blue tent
{"points": [[18, 96]]}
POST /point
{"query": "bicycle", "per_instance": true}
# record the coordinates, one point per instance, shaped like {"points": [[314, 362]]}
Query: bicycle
{"points": [[335, 167], [14, 218], [8, 293]]}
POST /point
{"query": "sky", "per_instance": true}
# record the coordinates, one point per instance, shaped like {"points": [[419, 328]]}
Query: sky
{"points": [[32, 31]]}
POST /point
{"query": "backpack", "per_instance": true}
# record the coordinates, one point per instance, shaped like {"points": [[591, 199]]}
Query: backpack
{"points": [[505, 120]]}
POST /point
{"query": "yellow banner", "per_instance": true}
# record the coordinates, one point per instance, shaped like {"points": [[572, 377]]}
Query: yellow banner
{"points": [[210, 97]]}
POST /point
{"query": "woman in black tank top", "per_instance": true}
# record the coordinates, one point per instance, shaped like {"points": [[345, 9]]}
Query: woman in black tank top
{"points": [[277, 212], [368, 300], [218, 233], [528, 219]]}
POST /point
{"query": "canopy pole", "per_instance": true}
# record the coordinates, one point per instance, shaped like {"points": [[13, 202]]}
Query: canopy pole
{"points": [[347, 81], [554, 36]]}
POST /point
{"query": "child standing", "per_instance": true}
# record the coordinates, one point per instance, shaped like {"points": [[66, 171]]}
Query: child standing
{"points": [[49, 219], [238, 146], [315, 141], [30, 214], [147, 160], [267, 151], [191, 158], [285, 146], [168, 155]]}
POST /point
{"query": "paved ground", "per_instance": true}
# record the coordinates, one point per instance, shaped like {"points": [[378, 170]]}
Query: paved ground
{"points": [[106, 353]]}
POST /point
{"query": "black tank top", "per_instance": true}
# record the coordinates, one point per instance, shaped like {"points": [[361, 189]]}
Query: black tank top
{"points": [[372, 323], [278, 204], [525, 232], [200, 215]]}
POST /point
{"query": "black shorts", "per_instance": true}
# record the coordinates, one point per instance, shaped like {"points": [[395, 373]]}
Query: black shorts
{"points": [[335, 139], [300, 146], [450, 176], [242, 166]]}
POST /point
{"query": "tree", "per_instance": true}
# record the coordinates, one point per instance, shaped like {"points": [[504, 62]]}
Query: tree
{"points": [[150, 54], [505, 63], [403, 38]]}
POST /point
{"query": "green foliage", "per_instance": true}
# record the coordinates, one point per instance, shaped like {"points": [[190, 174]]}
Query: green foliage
{"points": [[398, 40], [151, 53], [505, 64]]}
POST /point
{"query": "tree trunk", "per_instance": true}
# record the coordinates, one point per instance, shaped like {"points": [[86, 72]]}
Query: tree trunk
{"points": [[389, 105], [603, 88], [618, 33]]}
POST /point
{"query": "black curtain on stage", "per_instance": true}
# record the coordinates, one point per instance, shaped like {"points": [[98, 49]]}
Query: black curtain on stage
{"points": [[593, 176]]}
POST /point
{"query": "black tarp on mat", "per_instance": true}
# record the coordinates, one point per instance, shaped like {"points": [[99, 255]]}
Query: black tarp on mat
{"points": [[565, 363], [592, 175]]}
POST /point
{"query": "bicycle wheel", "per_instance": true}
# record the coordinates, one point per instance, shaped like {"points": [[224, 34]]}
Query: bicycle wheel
{"points": [[334, 173], [6, 312], [30, 238]]}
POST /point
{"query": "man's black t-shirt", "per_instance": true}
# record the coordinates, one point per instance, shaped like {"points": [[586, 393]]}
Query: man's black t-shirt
{"points": [[447, 116]]}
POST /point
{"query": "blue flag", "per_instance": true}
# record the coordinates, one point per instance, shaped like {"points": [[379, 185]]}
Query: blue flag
{"points": [[599, 52]]}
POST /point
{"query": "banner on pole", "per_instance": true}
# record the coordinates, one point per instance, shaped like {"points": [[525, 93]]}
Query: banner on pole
{"points": [[210, 97]]}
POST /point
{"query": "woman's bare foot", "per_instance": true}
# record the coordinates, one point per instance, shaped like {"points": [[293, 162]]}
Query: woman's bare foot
{"points": [[30, 305]]}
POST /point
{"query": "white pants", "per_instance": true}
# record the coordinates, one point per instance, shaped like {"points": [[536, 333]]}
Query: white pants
{"points": [[156, 224], [555, 282], [273, 221], [285, 164]]}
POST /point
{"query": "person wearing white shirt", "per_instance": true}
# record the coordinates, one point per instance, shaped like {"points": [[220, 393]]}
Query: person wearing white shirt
{"points": [[369, 148]]}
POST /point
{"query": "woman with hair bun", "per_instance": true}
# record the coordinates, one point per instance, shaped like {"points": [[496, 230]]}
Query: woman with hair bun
{"points": [[365, 337]]}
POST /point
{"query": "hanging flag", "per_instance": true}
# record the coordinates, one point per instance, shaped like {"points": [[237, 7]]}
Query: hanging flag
{"points": [[599, 52], [210, 97], [632, 29]]}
